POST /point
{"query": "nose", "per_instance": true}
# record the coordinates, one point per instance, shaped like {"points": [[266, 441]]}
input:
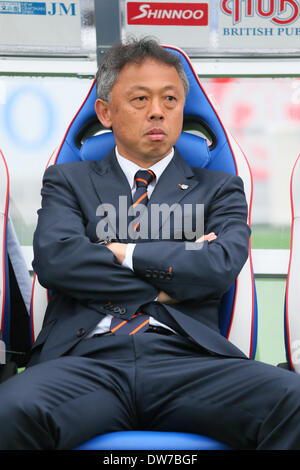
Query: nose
{"points": [[156, 110]]}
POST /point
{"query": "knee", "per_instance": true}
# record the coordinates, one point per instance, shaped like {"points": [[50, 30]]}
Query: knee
{"points": [[15, 399], [21, 417], [288, 401]]}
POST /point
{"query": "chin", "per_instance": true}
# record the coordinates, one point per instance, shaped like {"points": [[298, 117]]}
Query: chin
{"points": [[158, 153], [156, 156]]}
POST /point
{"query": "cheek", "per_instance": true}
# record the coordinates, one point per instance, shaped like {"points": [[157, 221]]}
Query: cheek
{"points": [[176, 124], [127, 129], [128, 119]]}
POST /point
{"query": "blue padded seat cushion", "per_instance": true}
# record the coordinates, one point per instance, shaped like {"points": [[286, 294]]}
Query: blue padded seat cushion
{"points": [[145, 440], [194, 148]]}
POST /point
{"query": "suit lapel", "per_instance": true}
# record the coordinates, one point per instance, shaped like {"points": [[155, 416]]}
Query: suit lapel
{"points": [[113, 189]]}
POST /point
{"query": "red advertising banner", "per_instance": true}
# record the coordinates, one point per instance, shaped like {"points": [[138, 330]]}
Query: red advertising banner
{"points": [[167, 14]]}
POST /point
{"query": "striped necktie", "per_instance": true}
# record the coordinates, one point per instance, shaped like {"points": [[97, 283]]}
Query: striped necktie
{"points": [[142, 178], [138, 322]]}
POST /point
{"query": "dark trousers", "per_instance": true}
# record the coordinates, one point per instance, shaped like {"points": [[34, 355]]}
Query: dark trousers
{"points": [[149, 382]]}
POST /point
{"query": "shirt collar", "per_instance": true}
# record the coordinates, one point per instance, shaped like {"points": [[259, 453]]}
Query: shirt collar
{"points": [[130, 168]]}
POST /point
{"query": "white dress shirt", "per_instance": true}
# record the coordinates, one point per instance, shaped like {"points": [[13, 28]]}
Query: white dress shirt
{"points": [[130, 168]]}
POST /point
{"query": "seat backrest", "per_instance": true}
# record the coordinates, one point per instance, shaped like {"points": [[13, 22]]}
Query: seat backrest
{"points": [[4, 278], [291, 307], [15, 283], [204, 142]]}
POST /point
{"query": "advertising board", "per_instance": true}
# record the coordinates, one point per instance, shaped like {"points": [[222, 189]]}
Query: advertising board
{"points": [[48, 28], [217, 27]]}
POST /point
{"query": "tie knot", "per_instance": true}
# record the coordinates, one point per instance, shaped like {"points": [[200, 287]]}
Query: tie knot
{"points": [[143, 178]]}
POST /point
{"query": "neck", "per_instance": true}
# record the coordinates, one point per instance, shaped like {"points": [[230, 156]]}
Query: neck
{"points": [[144, 163]]}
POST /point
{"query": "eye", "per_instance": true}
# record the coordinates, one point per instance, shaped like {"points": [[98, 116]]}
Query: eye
{"points": [[170, 101], [140, 98], [139, 101]]}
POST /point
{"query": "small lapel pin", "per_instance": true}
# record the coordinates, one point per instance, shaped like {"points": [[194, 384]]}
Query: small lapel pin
{"points": [[183, 186]]}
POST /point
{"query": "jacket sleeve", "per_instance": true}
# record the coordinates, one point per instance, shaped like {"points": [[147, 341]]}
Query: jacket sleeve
{"points": [[201, 271], [65, 259]]}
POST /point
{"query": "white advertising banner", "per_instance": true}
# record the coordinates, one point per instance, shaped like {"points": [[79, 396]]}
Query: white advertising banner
{"points": [[260, 25], [40, 24], [217, 27], [178, 23]]}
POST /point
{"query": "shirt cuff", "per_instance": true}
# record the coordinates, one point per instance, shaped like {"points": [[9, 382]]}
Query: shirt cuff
{"points": [[128, 262]]}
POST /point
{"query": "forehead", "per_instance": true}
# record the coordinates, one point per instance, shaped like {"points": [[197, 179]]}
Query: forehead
{"points": [[149, 73]]}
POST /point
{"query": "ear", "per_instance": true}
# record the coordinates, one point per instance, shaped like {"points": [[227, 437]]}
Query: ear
{"points": [[102, 109]]}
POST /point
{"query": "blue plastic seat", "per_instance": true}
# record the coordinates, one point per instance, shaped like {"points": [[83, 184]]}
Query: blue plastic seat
{"points": [[291, 307], [4, 278], [206, 143], [154, 440], [15, 288]]}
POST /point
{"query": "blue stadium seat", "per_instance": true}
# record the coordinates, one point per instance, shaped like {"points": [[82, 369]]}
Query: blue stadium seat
{"points": [[4, 287], [15, 288], [154, 440], [206, 143], [291, 307]]}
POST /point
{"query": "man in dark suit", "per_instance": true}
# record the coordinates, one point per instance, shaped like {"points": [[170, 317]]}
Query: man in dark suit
{"points": [[131, 334]]}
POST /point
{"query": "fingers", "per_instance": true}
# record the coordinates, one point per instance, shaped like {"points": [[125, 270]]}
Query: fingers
{"points": [[209, 237], [118, 249], [164, 298]]}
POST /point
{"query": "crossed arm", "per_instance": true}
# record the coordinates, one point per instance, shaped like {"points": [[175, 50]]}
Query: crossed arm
{"points": [[66, 260], [119, 250], [208, 272]]}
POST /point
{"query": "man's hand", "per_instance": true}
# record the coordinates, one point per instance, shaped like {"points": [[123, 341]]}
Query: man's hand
{"points": [[118, 249], [166, 299], [210, 237]]}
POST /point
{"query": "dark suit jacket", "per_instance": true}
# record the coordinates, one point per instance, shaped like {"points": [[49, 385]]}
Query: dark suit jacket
{"points": [[87, 282]]}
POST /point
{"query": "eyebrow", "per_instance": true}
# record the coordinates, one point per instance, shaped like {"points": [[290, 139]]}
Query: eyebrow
{"points": [[144, 88]]}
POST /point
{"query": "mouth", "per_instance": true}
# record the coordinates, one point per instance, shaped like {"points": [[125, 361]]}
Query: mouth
{"points": [[156, 134]]}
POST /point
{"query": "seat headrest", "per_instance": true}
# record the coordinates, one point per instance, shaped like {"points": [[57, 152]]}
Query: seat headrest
{"points": [[194, 148], [203, 142]]}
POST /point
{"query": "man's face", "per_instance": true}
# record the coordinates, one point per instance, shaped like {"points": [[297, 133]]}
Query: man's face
{"points": [[145, 111]]}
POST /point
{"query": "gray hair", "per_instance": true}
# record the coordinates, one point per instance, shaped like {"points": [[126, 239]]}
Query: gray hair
{"points": [[134, 51]]}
